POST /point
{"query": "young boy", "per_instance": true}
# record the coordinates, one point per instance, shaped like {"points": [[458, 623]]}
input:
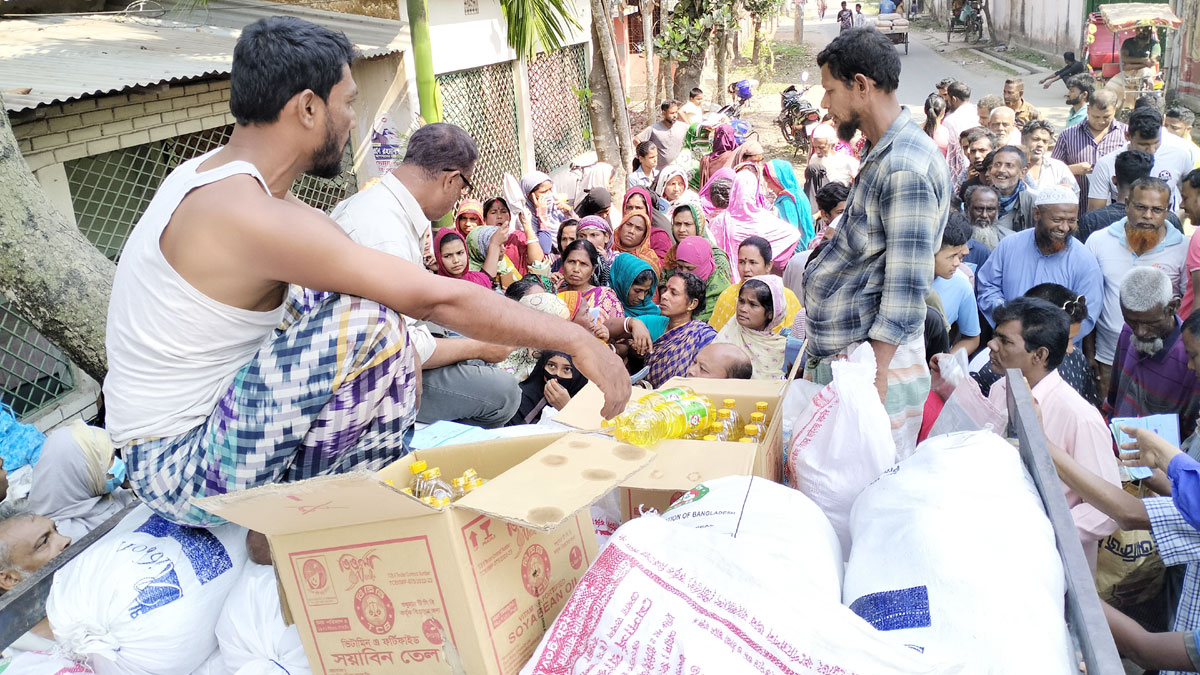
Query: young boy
{"points": [[954, 287], [693, 110]]}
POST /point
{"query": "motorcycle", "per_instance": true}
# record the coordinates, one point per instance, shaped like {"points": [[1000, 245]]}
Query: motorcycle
{"points": [[741, 91], [797, 117]]}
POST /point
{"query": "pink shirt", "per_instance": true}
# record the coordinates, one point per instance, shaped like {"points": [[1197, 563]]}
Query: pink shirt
{"points": [[1191, 263], [1077, 427]]}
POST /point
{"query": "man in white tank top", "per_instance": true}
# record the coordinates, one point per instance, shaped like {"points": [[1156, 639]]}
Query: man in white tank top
{"points": [[219, 378]]}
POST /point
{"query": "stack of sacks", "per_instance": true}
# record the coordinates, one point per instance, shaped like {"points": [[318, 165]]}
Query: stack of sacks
{"points": [[953, 555], [744, 580], [900, 25], [144, 599]]}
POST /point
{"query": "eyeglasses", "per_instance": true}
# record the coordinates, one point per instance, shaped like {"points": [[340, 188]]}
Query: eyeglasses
{"points": [[1155, 210], [467, 186]]}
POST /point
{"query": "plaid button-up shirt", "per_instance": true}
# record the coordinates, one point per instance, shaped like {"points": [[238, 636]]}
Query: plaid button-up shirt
{"points": [[871, 280], [1179, 544]]}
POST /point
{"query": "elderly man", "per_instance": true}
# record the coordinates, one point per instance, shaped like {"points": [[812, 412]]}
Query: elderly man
{"points": [[1172, 158], [721, 361], [1044, 171], [1081, 145], [839, 167], [27, 542], [1080, 89], [1141, 239], [219, 378], [1016, 200], [1047, 253], [1130, 165], [985, 107], [1003, 122], [982, 207], [1033, 336], [869, 283], [390, 216], [1014, 97], [1150, 372]]}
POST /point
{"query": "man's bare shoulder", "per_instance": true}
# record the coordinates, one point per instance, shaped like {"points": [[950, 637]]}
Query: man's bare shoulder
{"points": [[239, 203]]}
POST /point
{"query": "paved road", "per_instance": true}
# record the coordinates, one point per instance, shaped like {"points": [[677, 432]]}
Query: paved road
{"points": [[929, 60]]}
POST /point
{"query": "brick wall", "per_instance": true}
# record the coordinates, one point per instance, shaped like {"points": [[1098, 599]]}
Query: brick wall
{"points": [[59, 133]]}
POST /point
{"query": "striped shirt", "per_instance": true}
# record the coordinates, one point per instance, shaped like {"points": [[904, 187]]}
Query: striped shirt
{"points": [[1152, 385], [1179, 544], [1076, 144], [870, 281]]}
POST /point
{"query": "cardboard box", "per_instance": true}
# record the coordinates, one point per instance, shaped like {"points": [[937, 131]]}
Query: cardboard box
{"points": [[379, 582], [679, 465]]}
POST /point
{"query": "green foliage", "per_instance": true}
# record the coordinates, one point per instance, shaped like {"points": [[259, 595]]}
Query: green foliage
{"points": [[765, 8], [537, 22]]}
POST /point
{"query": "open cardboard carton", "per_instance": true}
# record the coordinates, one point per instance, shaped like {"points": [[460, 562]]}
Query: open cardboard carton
{"points": [[679, 465], [379, 582]]}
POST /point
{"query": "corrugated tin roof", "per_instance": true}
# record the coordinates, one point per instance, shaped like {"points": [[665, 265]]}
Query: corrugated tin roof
{"points": [[58, 58]]}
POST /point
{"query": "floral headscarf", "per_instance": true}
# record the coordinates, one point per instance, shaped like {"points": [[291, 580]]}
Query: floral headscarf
{"points": [[468, 207], [766, 348]]}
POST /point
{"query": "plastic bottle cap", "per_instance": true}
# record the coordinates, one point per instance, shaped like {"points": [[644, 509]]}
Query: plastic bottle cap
{"points": [[439, 502], [761, 406], [427, 500], [746, 440], [757, 417], [469, 474], [417, 467], [729, 403], [710, 437], [457, 483], [430, 474], [724, 413]]}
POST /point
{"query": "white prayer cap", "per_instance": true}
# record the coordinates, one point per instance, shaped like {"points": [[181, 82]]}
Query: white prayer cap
{"points": [[825, 131], [1056, 194]]}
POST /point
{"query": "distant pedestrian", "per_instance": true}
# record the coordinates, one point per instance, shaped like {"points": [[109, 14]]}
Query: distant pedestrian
{"points": [[845, 18], [860, 19]]}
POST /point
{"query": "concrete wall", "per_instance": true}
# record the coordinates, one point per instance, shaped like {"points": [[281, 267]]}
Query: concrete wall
{"points": [[1187, 39], [1051, 27]]}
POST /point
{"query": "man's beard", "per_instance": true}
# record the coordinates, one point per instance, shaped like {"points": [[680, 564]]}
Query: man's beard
{"points": [[1074, 101], [327, 160], [1141, 240], [847, 128], [1048, 243], [986, 234], [1148, 347]]}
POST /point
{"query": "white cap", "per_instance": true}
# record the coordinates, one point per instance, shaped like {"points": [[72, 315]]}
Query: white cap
{"points": [[825, 131], [1056, 194]]}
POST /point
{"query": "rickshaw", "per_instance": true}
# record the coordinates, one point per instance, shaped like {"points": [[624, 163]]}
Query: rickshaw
{"points": [[1109, 28], [966, 17]]}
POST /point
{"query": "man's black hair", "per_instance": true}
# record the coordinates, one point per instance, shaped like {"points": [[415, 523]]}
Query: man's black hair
{"points": [[830, 195], [763, 246], [696, 91], [1042, 325], [862, 51], [1084, 83], [1152, 101], [1145, 123], [1131, 165], [1191, 179], [1182, 114], [1013, 149], [1037, 125], [278, 57], [959, 90], [975, 134], [958, 230], [520, 288], [1069, 57], [1151, 183], [1191, 324], [666, 105], [945, 84], [441, 147]]}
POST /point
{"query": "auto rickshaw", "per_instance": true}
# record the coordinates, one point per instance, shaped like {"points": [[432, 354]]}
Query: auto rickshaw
{"points": [[1109, 28]]}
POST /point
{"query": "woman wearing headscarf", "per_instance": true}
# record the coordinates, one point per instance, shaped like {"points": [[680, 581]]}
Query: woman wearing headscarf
{"points": [[674, 351], [761, 310], [450, 252], [721, 157], [468, 216], [694, 254], [520, 363], [597, 202], [633, 236], [496, 212], [635, 283], [545, 212], [714, 196], [640, 199], [791, 204], [567, 233], [599, 232], [672, 187], [551, 384], [747, 217], [753, 259], [687, 220], [748, 155], [522, 249], [580, 260], [77, 479]]}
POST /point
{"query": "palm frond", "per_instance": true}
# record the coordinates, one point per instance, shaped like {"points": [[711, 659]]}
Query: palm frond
{"points": [[534, 23]]}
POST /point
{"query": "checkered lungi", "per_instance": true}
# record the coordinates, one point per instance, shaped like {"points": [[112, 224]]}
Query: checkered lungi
{"points": [[333, 389]]}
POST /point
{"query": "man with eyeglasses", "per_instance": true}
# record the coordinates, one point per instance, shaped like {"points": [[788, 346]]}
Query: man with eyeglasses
{"points": [[1141, 239], [1172, 159]]}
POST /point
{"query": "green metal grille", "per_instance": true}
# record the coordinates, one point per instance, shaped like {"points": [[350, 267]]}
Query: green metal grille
{"points": [[110, 191], [33, 372], [562, 128], [484, 103]]}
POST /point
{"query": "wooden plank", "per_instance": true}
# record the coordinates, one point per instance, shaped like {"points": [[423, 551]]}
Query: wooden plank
{"points": [[25, 605], [1084, 612]]}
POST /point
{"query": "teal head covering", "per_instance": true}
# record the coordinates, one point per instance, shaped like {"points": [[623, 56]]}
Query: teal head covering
{"points": [[625, 269], [791, 203]]}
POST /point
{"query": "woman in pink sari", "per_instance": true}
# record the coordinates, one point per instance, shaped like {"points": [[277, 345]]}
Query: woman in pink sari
{"points": [[746, 217]]}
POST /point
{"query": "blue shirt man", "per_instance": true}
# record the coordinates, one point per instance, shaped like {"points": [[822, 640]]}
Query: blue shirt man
{"points": [[1047, 253], [887, 7]]}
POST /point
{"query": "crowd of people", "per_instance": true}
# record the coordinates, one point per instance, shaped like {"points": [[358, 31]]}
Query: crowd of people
{"points": [[252, 339]]}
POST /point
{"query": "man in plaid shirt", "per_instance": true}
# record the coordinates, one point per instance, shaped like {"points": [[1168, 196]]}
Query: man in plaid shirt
{"points": [[869, 283]]}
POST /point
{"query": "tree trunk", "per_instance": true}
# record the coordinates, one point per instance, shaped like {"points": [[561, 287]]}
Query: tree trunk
{"points": [[600, 109], [722, 65], [648, 52], [668, 81], [757, 39], [51, 275], [616, 88], [687, 73], [428, 96], [987, 14]]}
